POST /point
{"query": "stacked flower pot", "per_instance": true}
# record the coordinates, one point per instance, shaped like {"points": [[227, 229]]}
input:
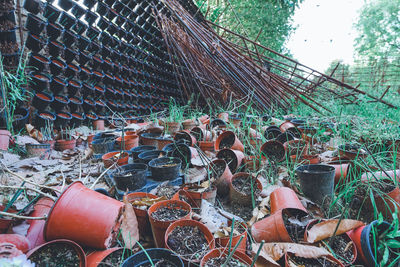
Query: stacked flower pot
{"points": [[88, 61], [8, 34]]}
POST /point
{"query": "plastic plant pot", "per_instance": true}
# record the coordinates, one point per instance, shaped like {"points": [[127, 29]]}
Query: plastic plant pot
{"points": [[55, 48], [11, 60], [146, 156], [96, 258], [115, 157], [83, 43], [51, 13], [316, 181], [44, 118], [88, 105], [72, 71], [351, 151], [90, 17], [99, 90], [195, 224], [66, 4], [239, 197], [38, 62], [228, 139], [42, 100], [111, 14], [66, 20], [222, 174], [33, 6], [165, 168], [100, 105], [296, 147], [60, 102], [34, 42], [70, 55], [75, 103], [141, 214], [73, 86], [184, 153], [130, 177], [53, 31], [4, 141], [38, 150], [57, 85], [84, 58], [223, 252], [128, 142], [91, 224], [79, 27], [102, 23], [8, 15], [224, 241], [62, 145], [103, 145], [163, 141], [160, 227], [139, 149], [156, 255], [77, 11], [102, 9], [21, 115], [85, 74], [149, 139], [283, 198], [87, 90], [34, 24], [233, 157], [98, 76], [110, 93], [19, 241], [77, 119], [185, 137], [89, 3], [68, 38], [92, 33], [63, 119], [273, 150]]}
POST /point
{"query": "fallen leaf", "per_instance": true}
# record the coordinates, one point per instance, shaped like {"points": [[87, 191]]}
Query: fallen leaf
{"points": [[129, 225], [195, 174], [326, 229]]}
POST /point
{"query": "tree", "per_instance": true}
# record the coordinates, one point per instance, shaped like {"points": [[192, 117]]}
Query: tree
{"points": [[379, 29]]}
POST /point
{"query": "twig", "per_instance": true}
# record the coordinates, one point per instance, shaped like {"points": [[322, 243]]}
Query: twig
{"points": [[101, 175], [26, 188], [21, 216]]}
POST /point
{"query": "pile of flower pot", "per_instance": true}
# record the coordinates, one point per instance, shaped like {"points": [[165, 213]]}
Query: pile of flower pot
{"points": [[8, 34]]}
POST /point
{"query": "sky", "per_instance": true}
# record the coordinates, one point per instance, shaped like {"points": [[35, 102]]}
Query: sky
{"points": [[324, 32]]}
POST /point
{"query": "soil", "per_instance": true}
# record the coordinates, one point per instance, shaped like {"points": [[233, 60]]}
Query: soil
{"points": [[296, 225], [8, 47], [227, 142], [56, 255], [7, 25], [274, 151], [320, 262], [188, 241], [159, 263], [217, 169], [6, 6], [343, 251], [217, 262], [229, 158], [243, 185], [385, 186], [169, 214], [243, 211], [167, 191], [114, 259]]}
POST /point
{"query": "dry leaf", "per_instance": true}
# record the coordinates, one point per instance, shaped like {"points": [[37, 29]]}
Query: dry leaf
{"points": [[274, 251], [326, 229], [129, 226], [195, 174]]}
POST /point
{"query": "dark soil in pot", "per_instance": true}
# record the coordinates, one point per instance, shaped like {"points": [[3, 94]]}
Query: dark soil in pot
{"points": [[56, 255], [166, 214], [131, 177], [243, 185], [217, 262], [296, 223], [114, 259], [340, 246], [8, 47], [188, 241], [274, 151], [6, 25], [320, 262], [229, 157], [217, 169], [227, 142]]}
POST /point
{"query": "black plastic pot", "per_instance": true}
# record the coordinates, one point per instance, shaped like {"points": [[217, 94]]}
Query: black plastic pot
{"points": [[366, 239], [70, 55], [75, 103], [89, 3], [63, 119], [85, 74], [130, 177], [68, 38], [316, 181], [66, 20], [100, 106], [165, 168], [112, 29], [77, 119], [103, 145], [83, 43], [66, 4], [57, 66], [57, 85], [102, 23], [79, 27], [73, 86], [78, 11], [32, 6], [98, 76], [34, 24], [55, 48], [102, 9], [272, 132], [110, 93], [183, 152], [146, 156], [38, 62], [51, 13], [20, 118], [105, 38], [88, 105], [91, 117], [99, 91], [139, 149], [84, 58], [109, 2], [42, 100], [285, 137], [92, 33], [34, 42], [38, 81], [72, 71], [95, 47], [87, 90], [8, 15], [42, 119], [60, 102], [90, 17], [53, 31], [111, 14]]}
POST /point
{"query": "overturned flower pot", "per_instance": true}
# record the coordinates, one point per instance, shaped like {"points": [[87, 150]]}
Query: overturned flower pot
{"points": [[232, 157], [93, 221], [228, 140], [244, 188], [218, 256]]}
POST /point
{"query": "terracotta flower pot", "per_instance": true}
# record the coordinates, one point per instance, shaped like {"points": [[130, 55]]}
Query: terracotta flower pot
{"points": [[283, 198], [341, 172], [224, 138], [188, 124], [206, 146], [129, 142], [186, 137], [78, 249], [194, 198], [201, 134], [89, 140], [98, 125], [218, 252], [239, 197], [84, 216], [159, 227], [36, 227], [172, 127], [20, 241], [285, 126], [96, 257], [272, 228], [296, 147], [203, 118], [224, 180], [141, 215], [149, 139], [62, 145], [252, 163], [224, 241], [273, 150], [4, 139], [109, 158], [236, 157], [355, 236], [38, 150], [207, 234]]}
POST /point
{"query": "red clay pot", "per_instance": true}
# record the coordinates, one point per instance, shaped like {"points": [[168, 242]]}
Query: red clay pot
{"points": [[238, 197], [355, 236], [185, 135], [172, 127], [195, 198], [283, 198], [129, 141], [130, 133], [5, 223], [223, 116], [252, 163], [98, 125], [207, 234], [51, 142], [20, 242], [9, 251], [271, 229], [62, 145], [4, 139], [141, 215], [305, 159], [90, 140], [224, 180], [333, 259], [201, 134], [341, 172], [237, 145], [276, 143], [84, 216], [188, 124], [203, 118], [159, 227], [239, 156], [294, 150], [96, 257], [35, 231], [77, 248], [162, 142], [218, 252], [285, 126], [108, 159], [207, 146], [224, 241]]}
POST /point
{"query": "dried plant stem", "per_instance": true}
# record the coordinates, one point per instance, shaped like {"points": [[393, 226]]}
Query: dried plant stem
{"points": [[101, 175], [26, 188], [21, 216]]}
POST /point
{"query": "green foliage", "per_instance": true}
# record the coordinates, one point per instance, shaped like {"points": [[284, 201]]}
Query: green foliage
{"points": [[379, 27]]}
